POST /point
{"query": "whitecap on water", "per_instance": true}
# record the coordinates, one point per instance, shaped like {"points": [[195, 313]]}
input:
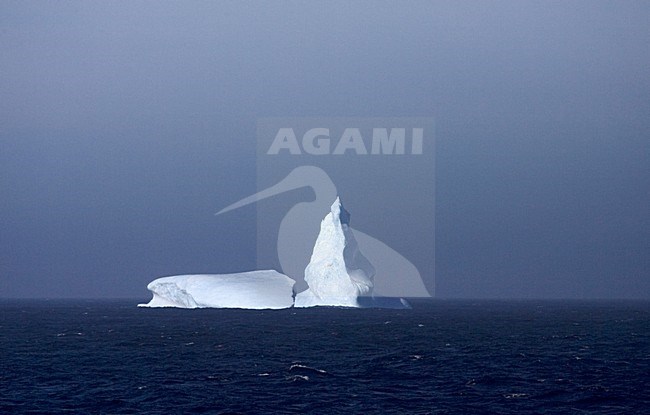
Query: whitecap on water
{"points": [[298, 366], [515, 395]]}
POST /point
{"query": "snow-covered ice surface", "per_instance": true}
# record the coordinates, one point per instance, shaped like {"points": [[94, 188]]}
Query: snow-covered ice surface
{"points": [[254, 289]]}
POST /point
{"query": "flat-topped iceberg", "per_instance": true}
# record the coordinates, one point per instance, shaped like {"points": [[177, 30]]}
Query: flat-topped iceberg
{"points": [[254, 289]]}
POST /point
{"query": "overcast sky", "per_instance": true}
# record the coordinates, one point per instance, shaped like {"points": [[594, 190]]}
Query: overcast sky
{"points": [[124, 126]]}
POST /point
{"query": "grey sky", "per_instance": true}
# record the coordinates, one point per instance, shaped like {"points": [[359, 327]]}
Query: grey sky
{"points": [[125, 125]]}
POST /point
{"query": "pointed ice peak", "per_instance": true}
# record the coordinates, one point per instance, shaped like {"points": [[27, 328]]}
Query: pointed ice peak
{"points": [[336, 206], [339, 212]]}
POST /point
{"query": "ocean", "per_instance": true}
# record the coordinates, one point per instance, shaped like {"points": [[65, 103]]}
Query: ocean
{"points": [[440, 357]]}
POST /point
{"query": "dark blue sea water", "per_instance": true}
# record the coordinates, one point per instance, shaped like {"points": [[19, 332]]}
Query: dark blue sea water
{"points": [[473, 357]]}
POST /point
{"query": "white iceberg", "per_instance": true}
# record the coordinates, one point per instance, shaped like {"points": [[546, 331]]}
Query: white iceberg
{"points": [[332, 280], [254, 290], [338, 275]]}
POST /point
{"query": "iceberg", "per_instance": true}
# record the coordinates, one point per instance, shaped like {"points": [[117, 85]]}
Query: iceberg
{"points": [[337, 274], [266, 289]]}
